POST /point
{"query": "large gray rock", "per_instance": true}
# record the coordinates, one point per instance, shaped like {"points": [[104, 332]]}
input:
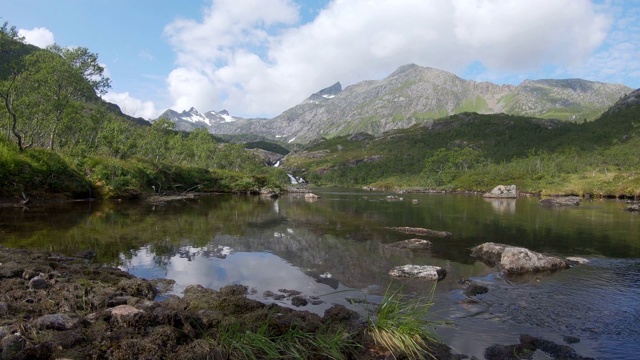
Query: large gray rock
{"points": [[503, 192], [427, 272], [561, 201], [517, 260]]}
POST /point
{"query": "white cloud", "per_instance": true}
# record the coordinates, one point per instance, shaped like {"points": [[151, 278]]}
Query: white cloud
{"points": [[254, 58], [40, 37], [132, 106]]}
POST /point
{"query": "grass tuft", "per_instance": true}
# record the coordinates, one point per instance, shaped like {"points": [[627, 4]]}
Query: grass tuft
{"points": [[399, 326]]}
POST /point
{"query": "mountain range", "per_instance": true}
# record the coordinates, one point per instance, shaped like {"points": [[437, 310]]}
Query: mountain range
{"points": [[410, 95]]}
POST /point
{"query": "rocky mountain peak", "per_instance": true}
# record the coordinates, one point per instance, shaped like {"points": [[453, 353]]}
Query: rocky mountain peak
{"points": [[326, 93]]}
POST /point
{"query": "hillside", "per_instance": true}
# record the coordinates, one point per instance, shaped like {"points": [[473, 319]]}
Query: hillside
{"points": [[412, 95], [60, 139], [476, 151]]}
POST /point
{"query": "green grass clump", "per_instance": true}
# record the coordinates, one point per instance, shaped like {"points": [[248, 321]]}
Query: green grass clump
{"points": [[399, 326], [235, 342]]}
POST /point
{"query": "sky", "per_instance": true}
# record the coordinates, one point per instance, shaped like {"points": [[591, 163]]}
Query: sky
{"points": [[258, 58]]}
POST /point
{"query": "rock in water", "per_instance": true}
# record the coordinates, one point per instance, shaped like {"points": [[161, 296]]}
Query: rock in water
{"points": [[503, 192], [517, 260], [413, 244], [420, 231], [418, 271], [561, 201]]}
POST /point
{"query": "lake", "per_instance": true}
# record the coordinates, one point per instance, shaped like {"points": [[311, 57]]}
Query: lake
{"points": [[333, 251]]}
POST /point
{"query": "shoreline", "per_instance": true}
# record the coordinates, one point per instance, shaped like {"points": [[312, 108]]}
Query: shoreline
{"points": [[55, 306]]}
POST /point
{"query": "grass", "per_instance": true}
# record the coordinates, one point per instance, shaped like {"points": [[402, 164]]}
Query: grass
{"points": [[399, 326], [237, 343]]}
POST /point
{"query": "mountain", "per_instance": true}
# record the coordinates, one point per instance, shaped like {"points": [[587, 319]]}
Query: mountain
{"points": [[413, 94], [477, 151]]}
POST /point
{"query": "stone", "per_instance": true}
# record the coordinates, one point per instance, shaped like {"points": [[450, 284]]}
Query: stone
{"points": [[420, 231], [413, 244], [472, 288], [561, 201], [427, 272], [298, 301], [60, 322], [393, 198], [4, 308], [38, 283], [632, 208], [12, 345], [517, 260], [124, 311], [311, 196], [574, 260], [503, 192]]}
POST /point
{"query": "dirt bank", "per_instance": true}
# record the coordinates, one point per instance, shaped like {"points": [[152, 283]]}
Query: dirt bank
{"points": [[54, 307]]}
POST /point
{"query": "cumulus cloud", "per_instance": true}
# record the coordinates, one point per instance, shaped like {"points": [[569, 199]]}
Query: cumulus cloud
{"points": [[40, 37], [255, 58], [132, 106]]}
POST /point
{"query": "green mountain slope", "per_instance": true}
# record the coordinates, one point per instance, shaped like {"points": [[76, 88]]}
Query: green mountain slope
{"points": [[475, 151]]}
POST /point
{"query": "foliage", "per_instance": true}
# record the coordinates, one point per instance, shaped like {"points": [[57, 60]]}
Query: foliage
{"points": [[236, 342], [399, 325], [477, 152], [51, 99]]}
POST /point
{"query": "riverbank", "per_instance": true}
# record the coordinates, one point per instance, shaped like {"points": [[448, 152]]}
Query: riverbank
{"points": [[54, 306]]}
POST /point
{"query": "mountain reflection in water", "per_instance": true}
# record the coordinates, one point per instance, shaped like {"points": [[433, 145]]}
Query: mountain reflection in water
{"points": [[334, 248]]}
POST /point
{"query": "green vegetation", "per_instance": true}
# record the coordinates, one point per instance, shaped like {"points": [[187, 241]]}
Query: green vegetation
{"points": [[50, 100], [476, 152], [236, 342], [478, 104], [399, 326]]}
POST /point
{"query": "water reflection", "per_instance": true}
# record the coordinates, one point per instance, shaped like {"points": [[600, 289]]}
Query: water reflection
{"points": [[260, 271], [338, 243], [503, 205]]}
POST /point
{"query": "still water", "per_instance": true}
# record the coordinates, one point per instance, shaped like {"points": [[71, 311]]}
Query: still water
{"points": [[333, 249]]}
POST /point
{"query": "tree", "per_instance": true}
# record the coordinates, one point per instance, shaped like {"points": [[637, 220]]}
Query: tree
{"points": [[10, 44], [62, 78]]}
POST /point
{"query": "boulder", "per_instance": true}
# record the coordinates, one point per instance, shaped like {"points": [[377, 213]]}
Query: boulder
{"points": [[420, 231], [427, 272], [561, 201], [38, 283], [413, 244], [60, 322], [311, 196], [503, 192], [517, 260]]}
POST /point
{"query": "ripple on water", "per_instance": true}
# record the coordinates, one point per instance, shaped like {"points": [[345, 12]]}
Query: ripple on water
{"points": [[597, 303]]}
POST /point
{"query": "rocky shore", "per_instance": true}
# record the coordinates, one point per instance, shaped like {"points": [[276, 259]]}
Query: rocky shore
{"points": [[58, 307]]}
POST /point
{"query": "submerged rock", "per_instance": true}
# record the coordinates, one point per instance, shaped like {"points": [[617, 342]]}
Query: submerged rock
{"points": [[472, 288], [561, 201], [632, 208], [516, 260], [418, 271], [420, 231], [503, 192], [413, 244]]}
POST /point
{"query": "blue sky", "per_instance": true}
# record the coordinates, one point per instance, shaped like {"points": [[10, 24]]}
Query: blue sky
{"points": [[260, 57]]}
